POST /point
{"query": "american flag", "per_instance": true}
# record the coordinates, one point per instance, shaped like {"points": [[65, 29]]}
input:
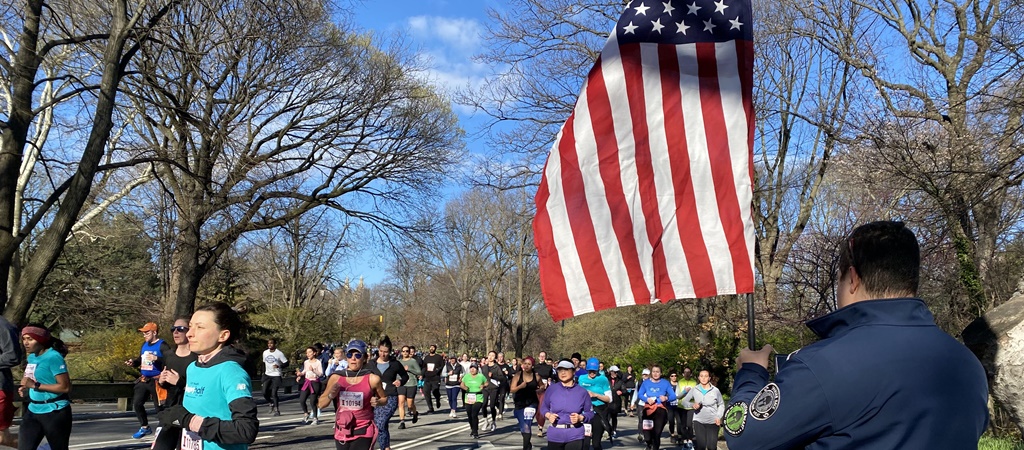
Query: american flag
{"points": [[647, 192]]}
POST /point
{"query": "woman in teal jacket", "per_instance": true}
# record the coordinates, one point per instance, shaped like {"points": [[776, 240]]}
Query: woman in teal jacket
{"points": [[218, 408]]}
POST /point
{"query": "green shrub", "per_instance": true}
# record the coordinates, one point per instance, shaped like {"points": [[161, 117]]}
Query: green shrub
{"points": [[101, 354]]}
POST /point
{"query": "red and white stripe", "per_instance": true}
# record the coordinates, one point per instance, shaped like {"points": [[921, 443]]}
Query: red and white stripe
{"points": [[647, 192]]}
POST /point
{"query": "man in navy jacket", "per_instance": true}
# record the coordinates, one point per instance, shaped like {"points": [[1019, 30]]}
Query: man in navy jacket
{"points": [[883, 375]]}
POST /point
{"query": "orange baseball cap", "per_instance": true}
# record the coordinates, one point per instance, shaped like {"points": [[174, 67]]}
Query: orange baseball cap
{"points": [[149, 326]]}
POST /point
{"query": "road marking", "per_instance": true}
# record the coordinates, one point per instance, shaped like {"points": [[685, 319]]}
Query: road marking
{"points": [[430, 438], [107, 443]]}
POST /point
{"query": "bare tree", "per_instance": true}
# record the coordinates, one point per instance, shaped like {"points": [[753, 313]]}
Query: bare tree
{"points": [[257, 113], [118, 33], [947, 122]]}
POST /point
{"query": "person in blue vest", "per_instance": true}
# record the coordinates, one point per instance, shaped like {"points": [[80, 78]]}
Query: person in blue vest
{"points": [[883, 374], [600, 390], [150, 363], [218, 411]]}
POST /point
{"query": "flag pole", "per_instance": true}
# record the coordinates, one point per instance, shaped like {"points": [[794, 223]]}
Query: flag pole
{"points": [[750, 322]]}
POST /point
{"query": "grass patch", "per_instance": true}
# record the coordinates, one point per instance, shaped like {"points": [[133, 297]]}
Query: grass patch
{"points": [[994, 443]]}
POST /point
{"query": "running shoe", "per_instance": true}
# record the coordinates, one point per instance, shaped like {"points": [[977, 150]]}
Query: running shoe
{"points": [[305, 418], [401, 425], [316, 421], [452, 414], [415, 416], [492, 426], [277, 411], [142, 432]]}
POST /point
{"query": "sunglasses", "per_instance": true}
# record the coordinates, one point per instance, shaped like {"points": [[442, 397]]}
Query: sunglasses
{"points": [[179, 329], [355, 355]]}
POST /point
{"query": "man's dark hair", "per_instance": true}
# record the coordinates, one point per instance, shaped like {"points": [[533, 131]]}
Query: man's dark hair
{"points": [[886, 257]]}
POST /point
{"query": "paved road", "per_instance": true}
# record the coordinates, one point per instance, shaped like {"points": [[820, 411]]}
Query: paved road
{"points": [[98, 426]]}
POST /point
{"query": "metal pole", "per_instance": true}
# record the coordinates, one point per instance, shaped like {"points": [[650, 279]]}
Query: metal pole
{"points": [[750, 322]]}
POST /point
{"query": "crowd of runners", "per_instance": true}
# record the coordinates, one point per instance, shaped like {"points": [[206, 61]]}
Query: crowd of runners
{"points": [[573, 403]]}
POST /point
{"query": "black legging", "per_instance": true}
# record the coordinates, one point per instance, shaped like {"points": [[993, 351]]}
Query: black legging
{"points": [[670, 419], [142, 392], [653, 437], [613, 417], [54, 426], [491, 397], [705, 436], [573, 445], [684, 419], [597, 427], [358, 444], [311, 396], [270, 385], [432, 388], [473, 413]]}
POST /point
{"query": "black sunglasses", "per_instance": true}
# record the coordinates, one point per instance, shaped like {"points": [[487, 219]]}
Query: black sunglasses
{"points": [[355, 355], [180, 329]]}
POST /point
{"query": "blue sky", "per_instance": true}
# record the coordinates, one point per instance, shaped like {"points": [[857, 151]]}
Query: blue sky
{"points": [[445, 34]]}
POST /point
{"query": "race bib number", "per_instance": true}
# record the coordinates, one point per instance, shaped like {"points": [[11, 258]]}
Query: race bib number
{"points": [[674, 403], [587, 430], [271, 360], [648, 425], [470, 399], [430, 367], [350, 401], [453, 378], [148, 358], [30, 371], [191, 440], [495, 382], [529, 412]]}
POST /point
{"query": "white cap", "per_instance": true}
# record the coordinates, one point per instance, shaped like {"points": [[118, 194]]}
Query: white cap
{"points": [[565, 365], [646, 372], [613, 368]]}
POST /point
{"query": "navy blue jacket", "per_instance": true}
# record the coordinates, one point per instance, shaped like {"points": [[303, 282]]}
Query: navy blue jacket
{"points": [[884, 376]]}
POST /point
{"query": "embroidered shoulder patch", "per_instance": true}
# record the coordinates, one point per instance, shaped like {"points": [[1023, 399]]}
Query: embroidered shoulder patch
{"points": [[766, 402], [735, 418]]}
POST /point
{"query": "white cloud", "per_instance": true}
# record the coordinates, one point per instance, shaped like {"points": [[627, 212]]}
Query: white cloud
{"points": [[466, 35]]}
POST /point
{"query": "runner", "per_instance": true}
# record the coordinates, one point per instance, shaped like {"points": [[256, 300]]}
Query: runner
{"points": [[544, 373], [685, 418], [655, 394], [473, 383], [615, 407], [673, 408], [452, 375], [218, 411], [567, 408], [150, 363], [635, 402], [433, 364], [407, 392], [354, 391], [526, 387], [46, 385], [11, 354], [273, 363], [629, 382], [599, 389], [308, 378], [392, 375], [706, 400], [495, 374], [174, 380], [503, 390], [337, 362]]}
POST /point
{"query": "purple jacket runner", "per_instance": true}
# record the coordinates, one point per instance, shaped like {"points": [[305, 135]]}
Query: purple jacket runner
{"points": [[564, 401]]}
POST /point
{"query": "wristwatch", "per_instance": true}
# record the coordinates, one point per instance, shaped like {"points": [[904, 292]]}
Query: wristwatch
{"points": [[37, 385]]}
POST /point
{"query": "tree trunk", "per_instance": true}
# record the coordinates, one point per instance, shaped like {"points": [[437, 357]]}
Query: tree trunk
{"points": [[997, 338], [186, 273], [52, 241]]}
